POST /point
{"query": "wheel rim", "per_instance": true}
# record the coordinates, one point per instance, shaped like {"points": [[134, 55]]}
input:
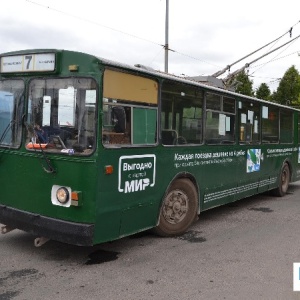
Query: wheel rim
{"points": [[175, 207]]}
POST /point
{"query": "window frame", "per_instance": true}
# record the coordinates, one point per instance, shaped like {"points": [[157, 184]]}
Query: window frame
{"points": [[212, 140], [246, 128], [128, 82], [19, 113], [59, 145], [270, 138], [171, 125]]}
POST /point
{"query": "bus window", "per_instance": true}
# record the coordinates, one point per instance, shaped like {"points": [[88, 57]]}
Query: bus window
{"points": [[213, 102], [220, 119], [129, 110], [11, 110], [270, 124], [228, 105], [249, 122], [286, 126], [181, 116], [116, 123], [61, 115]]}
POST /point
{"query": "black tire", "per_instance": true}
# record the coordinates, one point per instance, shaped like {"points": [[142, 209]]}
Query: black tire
{"points": [[284, 181], [179, 209]]}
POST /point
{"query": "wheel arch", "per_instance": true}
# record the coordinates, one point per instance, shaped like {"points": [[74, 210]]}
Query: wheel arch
{"points": [[290, 165], [283, 184], [179, 206], [181, 175]]}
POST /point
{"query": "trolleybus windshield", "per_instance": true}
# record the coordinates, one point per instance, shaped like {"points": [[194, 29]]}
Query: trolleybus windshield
{"points": [[61, 115]]}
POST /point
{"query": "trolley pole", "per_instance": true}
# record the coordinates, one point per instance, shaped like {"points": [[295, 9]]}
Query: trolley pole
{"points": [[167, 37]]}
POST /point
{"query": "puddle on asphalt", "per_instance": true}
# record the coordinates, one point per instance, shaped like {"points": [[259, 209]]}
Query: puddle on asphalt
{"points": [[12, 278], [262, 209], [192, 237], [102, 256]]}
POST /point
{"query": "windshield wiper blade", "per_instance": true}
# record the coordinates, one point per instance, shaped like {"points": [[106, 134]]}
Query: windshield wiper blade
{"points": [[49, 168]]}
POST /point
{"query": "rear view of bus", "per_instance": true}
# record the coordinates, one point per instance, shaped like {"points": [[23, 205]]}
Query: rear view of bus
{"points": [[47, 144]]}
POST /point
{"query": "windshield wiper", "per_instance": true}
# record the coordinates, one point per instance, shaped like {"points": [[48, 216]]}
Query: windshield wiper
{"points": [[49, 168]]}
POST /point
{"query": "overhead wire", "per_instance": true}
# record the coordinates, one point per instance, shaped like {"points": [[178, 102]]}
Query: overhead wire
{"points": [[274, 42], [93, 22], [273, 59], [161, 45], [116, 30]]}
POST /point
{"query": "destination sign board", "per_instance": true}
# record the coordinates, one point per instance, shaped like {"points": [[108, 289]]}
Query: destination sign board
{"points": [[39, 62]]}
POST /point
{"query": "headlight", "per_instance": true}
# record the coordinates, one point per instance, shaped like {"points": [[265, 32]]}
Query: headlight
{"points": [[62, 195]]}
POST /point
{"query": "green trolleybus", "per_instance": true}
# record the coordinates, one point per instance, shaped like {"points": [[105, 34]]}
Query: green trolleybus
{"points": [[92, 150]]}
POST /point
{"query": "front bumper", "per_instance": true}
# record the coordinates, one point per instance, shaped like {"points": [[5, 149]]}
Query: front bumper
{"points": [[59, 230]]}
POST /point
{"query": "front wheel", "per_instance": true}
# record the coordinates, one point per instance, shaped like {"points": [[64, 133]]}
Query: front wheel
{"points": [[284, 181], [179, 208]]}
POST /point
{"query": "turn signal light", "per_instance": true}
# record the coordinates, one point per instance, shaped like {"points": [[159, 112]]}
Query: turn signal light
{"points": [[109, 169]]}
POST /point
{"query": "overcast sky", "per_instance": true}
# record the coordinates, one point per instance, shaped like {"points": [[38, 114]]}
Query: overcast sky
{"points": [[205, 35]]}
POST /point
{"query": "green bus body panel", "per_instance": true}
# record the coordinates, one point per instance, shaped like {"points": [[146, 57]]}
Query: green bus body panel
{"points": [[28, 186], [140, 127], [122, 213], [221, 178], [116, 213]]}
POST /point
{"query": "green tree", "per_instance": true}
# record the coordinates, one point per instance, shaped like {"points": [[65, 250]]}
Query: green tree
{"points": [[245, 85], [289, 88], [263, 92]]}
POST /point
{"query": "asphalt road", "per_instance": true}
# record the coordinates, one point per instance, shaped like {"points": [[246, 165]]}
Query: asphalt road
{"points": [[244, 250]]}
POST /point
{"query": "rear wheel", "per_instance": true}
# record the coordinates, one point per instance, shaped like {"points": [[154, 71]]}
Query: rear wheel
{"points": [[179, 208], [284, 181]]}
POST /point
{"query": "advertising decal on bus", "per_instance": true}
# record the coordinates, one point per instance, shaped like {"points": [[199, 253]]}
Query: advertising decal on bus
{"points": [[206, 158], [253, 160], [136, 172], [280, 152], [238, 189]]}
